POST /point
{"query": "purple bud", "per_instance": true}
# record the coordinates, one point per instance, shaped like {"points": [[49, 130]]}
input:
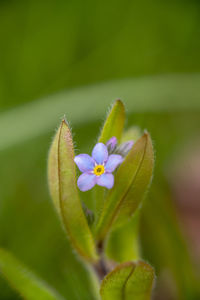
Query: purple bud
{"points": [[128, 145], [111, 144], [124, 148]]}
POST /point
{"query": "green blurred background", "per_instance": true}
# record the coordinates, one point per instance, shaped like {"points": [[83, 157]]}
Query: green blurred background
{"points": [[75, 58]]}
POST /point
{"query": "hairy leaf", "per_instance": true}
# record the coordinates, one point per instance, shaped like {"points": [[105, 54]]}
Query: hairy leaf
{"points": [[63, 188], [114, 123], [131, 182], [125, 238], [128, 281], [53, 178], [139, 185], [24, 281]]}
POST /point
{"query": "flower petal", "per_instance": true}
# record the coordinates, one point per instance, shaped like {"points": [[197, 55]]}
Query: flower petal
{"points": [[111, 143], [106, 180], [84, 162], [113, 161], [86, 181], [100, 153]]}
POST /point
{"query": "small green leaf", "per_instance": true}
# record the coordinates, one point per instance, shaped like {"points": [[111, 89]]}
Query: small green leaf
{"points": [[63, 189], [114, 123], [131, 182], [140, 183], [128, 281], [133, 133], [23, 281], [123, 241], [113, 285], [140, 283]]}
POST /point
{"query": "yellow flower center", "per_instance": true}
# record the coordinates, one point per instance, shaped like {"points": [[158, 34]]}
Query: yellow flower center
{"points": [[99, 170]]}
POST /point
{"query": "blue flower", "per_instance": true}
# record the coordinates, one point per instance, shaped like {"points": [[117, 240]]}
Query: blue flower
{"points": [[98, 168]]}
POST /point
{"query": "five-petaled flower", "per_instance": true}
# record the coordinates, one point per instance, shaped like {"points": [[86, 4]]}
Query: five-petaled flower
{"points": [[98, 168]]}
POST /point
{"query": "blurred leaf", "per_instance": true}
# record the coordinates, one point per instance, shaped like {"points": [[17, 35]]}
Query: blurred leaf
{"points": [[131, 134], [62, 182], [128, 281], [149, 94], [114, 123], [125, 240], [131, 182], [163, 244], [23, 281], [70, 40]]}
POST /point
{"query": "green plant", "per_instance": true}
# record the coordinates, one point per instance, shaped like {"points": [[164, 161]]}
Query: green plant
{"points": [[46, 251], [112, 209]]}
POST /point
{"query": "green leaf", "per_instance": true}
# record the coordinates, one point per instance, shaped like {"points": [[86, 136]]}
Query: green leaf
{"points": [[149, 94], [63, 189], [114, 123], [123, 242], [23, 281], [131, 182], [53, 178], [128, 281], [140, 283], [133, 133], [140, 182], [113, 126], [125, 238]]}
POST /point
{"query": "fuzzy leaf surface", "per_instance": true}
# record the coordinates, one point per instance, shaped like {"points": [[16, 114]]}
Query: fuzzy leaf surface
{"points": [[63, 189], [114, 123], [131, 182], [128, 281], [139, 185]]}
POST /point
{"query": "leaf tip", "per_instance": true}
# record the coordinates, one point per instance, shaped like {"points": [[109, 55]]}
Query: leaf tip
{"points": [[119, 103]]}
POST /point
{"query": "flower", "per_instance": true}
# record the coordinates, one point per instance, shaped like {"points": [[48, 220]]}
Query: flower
{"points": [[98, 168]]}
